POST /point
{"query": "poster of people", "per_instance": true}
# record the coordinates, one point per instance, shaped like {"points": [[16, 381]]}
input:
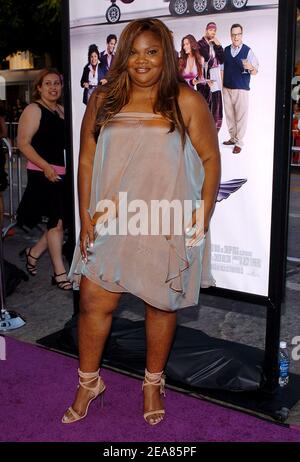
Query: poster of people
{"points": [[227, 51]]}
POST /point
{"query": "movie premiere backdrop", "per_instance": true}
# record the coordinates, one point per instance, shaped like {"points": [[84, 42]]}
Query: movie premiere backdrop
{"points": [[241, 225]]}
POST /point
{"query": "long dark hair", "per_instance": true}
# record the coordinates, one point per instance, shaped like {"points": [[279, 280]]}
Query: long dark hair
{"points": [[195, 53], [116, 93]]}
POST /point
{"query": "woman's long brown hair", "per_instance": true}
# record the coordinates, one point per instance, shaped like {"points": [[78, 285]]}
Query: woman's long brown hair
{"points": [[195, 53], [116, 93]]}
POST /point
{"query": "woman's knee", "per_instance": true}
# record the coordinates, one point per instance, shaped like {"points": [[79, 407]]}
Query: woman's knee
{"points": [[94, 306], [94, 299], [156, 312], [58, 227]]}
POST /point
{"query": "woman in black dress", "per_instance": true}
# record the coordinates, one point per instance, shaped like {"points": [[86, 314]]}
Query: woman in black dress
{"points": [[41, 139]]}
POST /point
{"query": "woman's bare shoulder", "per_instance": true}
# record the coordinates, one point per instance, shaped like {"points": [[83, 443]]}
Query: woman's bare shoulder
{"points": [[188, 96], [190, 102], [32, 108], [94, 104], [98, 96], [31, 114]]}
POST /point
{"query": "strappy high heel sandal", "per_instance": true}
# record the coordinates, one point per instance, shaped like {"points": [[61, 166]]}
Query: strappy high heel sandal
{"points": [[154, 380], [65, 284], [32, 270], [98, 391]]}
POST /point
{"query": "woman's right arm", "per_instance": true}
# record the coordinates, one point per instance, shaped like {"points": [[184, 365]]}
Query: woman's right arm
{"points": [[28, 125], [85, 172], [84, 82]]}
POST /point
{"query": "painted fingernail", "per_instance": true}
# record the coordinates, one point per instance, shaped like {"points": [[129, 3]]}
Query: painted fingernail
{"points": [[189, 231]]}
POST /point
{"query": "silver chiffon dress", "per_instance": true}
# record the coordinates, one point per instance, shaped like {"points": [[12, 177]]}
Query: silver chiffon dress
{"points": [[137, 154]]}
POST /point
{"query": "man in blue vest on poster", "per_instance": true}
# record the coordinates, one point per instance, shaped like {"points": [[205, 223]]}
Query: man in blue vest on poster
{"points": [[240, 64]]}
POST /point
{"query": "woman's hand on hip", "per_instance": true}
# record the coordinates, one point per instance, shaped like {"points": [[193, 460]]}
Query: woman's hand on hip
{"points": [[51, 174], [197, 227], [86, 237]]}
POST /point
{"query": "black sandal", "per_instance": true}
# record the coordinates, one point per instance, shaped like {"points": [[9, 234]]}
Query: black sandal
{"points": [[32, 269], [61, 284]]}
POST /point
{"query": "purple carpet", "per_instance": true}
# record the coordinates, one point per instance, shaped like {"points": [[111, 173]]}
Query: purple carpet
{"points": [[37, 385]]}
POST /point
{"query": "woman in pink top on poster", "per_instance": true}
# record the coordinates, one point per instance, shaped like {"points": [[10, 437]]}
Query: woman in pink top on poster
{"points": [[191, 62]]}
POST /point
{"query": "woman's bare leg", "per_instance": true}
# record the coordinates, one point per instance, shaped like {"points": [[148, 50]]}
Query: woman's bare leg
{"points": [[160, 330], [51, 240], [38, 249], [96, 309], [55, 243]]}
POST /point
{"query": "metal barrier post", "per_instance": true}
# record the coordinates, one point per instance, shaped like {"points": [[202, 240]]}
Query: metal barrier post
{"points": [[19, 176], [10, 173], [13, 154], [9, 320]]}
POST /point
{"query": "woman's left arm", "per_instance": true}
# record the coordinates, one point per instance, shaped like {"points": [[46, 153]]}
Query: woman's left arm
{"points": [[203, 134]]}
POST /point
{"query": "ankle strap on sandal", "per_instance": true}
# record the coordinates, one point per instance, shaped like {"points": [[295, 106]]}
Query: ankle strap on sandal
{"points": [[56, 276], [31, 256], [89, 375], [155, 378]]}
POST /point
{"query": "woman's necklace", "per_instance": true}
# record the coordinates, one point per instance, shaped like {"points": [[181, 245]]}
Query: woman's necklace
{"points": [[57, 111]]}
